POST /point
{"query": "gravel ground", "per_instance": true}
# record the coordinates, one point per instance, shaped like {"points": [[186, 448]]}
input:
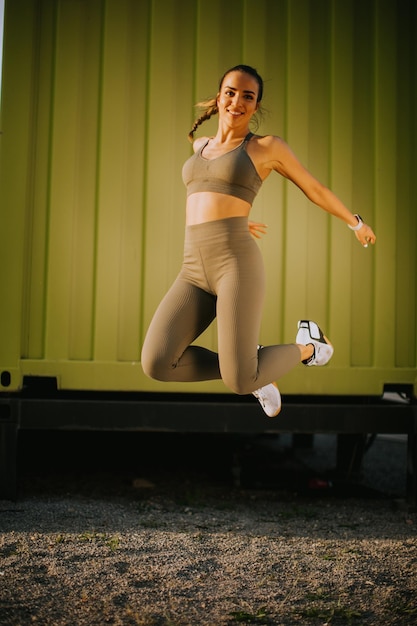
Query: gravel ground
{"points": [[164, 533]]}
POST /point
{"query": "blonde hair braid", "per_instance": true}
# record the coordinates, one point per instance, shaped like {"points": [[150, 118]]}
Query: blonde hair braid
{"points": [[210, 107]]}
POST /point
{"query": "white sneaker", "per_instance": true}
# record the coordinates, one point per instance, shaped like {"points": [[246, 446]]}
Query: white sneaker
{"points": [[310, 333], [269, 398]]}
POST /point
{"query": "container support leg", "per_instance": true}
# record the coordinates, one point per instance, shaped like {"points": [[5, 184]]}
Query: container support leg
{"points": [[9, 423]]}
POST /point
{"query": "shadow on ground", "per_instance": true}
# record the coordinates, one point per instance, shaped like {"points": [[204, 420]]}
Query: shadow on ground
{"points": [[113, 461]]}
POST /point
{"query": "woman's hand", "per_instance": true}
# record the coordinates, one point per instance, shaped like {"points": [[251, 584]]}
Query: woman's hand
{"points": [[257, 229], [365, 235]]}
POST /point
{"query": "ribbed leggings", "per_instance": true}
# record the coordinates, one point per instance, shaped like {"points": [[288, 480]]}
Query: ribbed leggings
{"points": [[222, 277]]}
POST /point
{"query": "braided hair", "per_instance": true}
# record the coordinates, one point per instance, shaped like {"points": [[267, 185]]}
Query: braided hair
{"points": [[210, 106]]}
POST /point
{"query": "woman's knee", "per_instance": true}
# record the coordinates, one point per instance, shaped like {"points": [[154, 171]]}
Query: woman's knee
{"points": [[241, 385], [155, 366]]}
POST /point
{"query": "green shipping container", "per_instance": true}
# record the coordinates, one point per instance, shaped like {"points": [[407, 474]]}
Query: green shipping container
{"points": [[97, 101]]}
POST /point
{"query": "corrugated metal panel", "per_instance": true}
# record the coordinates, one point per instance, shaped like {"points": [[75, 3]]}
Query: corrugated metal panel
{"points": [[97, 102]]}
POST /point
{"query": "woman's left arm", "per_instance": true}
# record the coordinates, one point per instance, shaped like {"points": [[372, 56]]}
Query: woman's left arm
{"points": [[286, 163]]}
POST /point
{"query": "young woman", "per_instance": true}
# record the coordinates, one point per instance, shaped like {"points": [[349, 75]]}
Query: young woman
{"points": [[222, 275]]}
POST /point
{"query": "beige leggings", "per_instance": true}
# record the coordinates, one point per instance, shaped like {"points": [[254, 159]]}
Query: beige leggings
{"points": [[222, 276]]}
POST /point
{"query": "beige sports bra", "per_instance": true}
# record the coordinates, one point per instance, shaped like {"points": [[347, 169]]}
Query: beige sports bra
{"points": [[232, 173]]}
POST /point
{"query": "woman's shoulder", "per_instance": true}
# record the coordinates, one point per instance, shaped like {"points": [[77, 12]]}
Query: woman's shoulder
{"points": [[268, 144], [269, 152], [268, 140], [199, 143]]}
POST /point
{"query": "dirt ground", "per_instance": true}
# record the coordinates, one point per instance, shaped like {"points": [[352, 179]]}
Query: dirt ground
{"points": [[175, 531]]}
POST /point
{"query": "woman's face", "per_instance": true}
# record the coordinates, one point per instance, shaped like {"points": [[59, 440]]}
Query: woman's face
{"points": [[237, 99]]}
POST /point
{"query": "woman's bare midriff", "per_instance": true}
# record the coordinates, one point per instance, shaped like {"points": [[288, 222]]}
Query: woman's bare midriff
{"points": [[207, 206]]}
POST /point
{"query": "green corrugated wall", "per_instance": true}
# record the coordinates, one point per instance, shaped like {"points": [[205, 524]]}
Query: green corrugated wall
{"points": [[97, 102]]}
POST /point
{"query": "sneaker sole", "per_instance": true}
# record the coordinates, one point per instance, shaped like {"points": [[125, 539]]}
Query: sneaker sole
{"points": [[280, 405], [278, 411]]}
